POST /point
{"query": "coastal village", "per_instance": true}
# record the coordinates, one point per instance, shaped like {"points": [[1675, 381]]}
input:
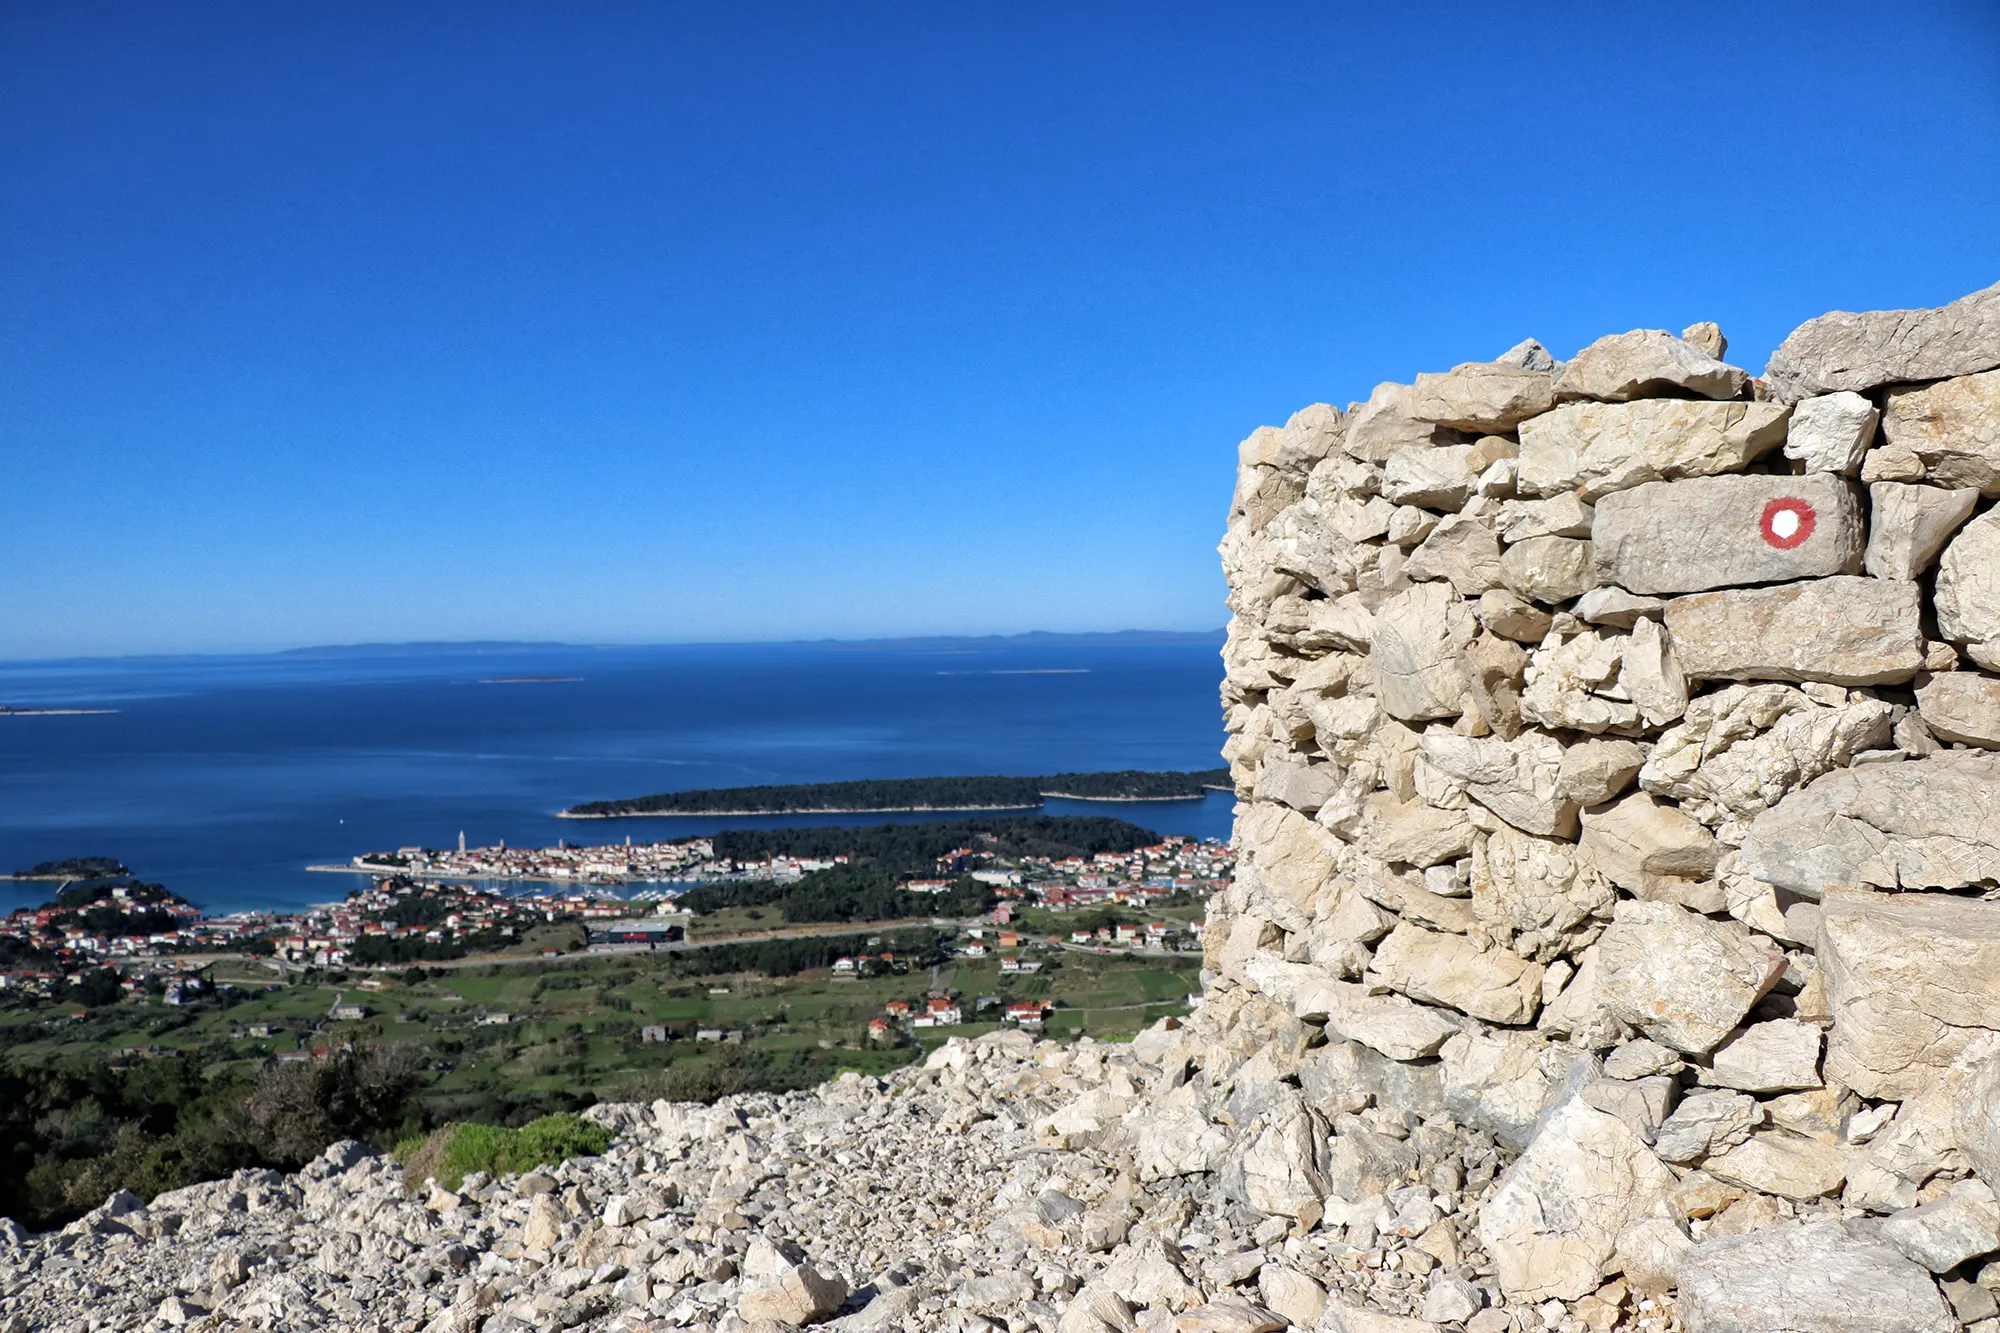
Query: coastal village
{"points": [[410, 913]]}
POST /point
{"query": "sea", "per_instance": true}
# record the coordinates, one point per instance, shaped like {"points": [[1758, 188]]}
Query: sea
{"points": [[225, 777]]}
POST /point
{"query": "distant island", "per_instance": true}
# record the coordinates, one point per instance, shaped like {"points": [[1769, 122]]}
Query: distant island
{"points": [[6, 711], [894, 795], [75, 867]]}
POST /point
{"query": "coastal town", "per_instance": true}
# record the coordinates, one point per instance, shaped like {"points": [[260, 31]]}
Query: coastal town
{"points": [[411, 912], [1174, 862]]}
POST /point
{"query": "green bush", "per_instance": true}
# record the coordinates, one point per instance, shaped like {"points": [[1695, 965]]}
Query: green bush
{"points": [[451, 1154]]}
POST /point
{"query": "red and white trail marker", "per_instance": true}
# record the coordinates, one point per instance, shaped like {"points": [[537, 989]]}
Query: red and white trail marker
{"points": [[1787, 522]]}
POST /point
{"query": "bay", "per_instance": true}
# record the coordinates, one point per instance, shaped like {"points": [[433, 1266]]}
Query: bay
{"points": [[225, 777]]}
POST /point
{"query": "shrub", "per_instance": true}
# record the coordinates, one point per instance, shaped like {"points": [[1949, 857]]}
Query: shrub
{"points": [[733, 1069], [456, 1151], [297, 1109]]}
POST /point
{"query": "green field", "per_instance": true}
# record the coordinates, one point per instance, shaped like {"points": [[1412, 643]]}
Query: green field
{"points": [[574, 1029]]}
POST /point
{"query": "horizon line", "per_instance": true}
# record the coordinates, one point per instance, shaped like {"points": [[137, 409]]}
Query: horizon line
{"points": [[424, 647]]}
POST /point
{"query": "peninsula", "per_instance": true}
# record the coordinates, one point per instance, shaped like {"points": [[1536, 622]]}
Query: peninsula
{"points": [[896, 795]]}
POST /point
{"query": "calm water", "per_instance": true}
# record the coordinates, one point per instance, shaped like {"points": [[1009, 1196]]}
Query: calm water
{"points": [[224, 777]]}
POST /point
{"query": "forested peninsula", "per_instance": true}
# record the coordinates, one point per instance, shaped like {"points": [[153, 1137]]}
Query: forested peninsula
{"points": [[886, 795]]}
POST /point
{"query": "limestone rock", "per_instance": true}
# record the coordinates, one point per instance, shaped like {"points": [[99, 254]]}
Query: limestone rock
{"points": [[1304, 787], [1941, 1235], [1302, 542], [1406, 894], [1594, 771], [1553, 1224], [1962, 706], [1842, 630], [1152, 1272], [1314, 628], [1098, 1309], [1415, 833], [1463, 551], [1499, 1081], [1645, 362], [1410, 525], [1482, 397], [544, 1224], [1742, 749], [1557, 516], [1390, 1024], [1575, 684], [1361, 521], [1174, 1137], [1295, 859], [1518, 780], [1352, 718], [1831, 433], [1282, 1168], [1976, 1113], [1494, 984], [1653, 851], [1382, 425], [1775, 1056], [1706, 338], [1844, 350], [1968, 590], [1642, 1059], [1290, 1293], [1909, 525], [1706, 1122], [1594, 449], [1681, 979], [1431, 476], [1649, 673], [1343, 1317], [1914, 984], [1418, 653], [1641, 1103], [1922, 824], [780, 1285], [1953, 428], [1608, 604], [1719, 532], [1815, 1277], [1512, 617], [1776, 1161], [1533, 893], [1450, 1300], [1548, 569], [1345, 1076], [1229, 1316]]}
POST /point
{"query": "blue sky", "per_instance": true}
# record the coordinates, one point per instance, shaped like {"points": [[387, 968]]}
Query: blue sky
{"points": [[641, 323]]}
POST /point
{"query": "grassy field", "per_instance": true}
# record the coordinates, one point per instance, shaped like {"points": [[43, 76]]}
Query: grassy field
{"points": [[573, 1026]]}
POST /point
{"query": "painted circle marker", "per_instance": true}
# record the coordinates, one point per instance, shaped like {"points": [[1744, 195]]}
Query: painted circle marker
{"points": [[1788, 521]]}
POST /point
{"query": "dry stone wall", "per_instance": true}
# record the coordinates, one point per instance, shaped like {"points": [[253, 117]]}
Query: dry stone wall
{"points": [[1618, 750]]}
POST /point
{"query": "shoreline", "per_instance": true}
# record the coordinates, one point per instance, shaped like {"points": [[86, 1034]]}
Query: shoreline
{"points": [[816, 810], [463, 876], [1071, 796]]}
